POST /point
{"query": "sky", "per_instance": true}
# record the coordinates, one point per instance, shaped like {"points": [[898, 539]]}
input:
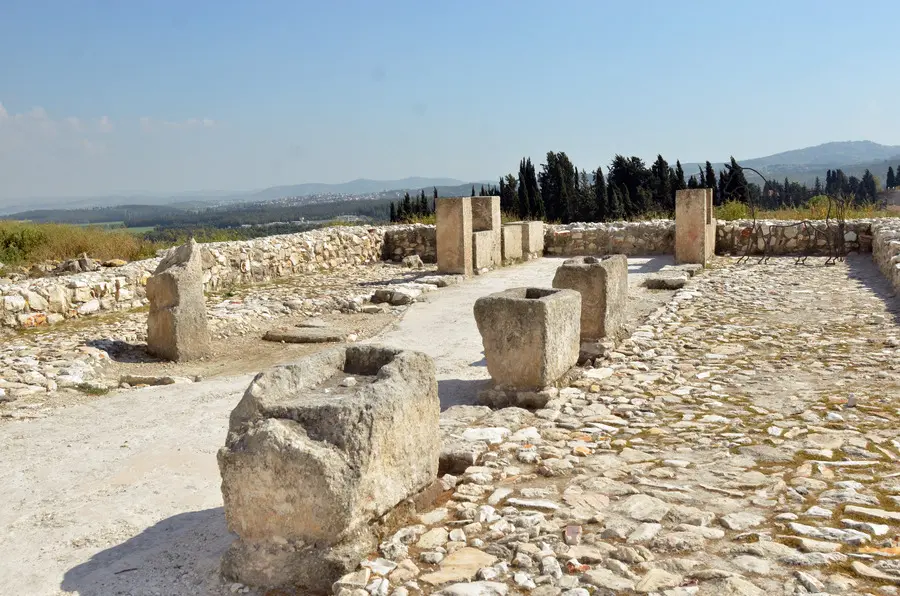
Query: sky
{"points": [[167, 96]]}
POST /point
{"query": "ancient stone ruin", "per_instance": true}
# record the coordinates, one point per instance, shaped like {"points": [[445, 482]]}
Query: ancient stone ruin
{"points": [[317, 452], [486, 234], [511, 243], [530, 335], [453, 217], [176, 327], [603, 285], [695, 226]]}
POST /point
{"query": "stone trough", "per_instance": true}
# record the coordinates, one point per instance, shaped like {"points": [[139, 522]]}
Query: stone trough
{"points": [[530, 336], [317, 453]]}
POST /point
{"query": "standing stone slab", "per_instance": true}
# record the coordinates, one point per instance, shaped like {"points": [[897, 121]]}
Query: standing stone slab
{"points": [[486, 218], [453, 221], [482, 250], [532, 238], [603, 285], [695, 226], [511, 236], [176, 327], [312, 460], [530, 335]]}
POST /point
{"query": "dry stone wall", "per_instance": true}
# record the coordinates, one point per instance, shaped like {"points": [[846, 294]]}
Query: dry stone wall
{"points": [[49, 300], [886, 249], [790, 237], [628, 238]]}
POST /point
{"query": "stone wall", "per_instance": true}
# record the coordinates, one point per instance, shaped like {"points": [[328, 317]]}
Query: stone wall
{"points": [[628, 238], [403, 241], [49, 300], [790, 237], [886, 249]]}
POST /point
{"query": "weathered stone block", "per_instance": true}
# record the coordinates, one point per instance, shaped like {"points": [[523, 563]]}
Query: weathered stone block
{"points": [[483, 249], [532, 238], [486, 218], [176, 327], [312, 459], [695, 226], [530, 335], [511, 241], [453, 220], [603, 285]]}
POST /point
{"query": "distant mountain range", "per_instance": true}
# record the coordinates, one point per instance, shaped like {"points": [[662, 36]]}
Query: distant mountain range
{"points": [[361, 186], [800, 165], [805, 165]]}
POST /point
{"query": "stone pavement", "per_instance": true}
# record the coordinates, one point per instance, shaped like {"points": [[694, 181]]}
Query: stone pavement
{"points": [[744, 441], [444, 325]]}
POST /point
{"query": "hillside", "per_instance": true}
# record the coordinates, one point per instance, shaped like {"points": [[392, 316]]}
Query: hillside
{"points": [[804, 165]]}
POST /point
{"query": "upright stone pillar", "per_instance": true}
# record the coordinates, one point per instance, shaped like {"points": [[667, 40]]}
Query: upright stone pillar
{"points": [[453, 218], [695, 226], [487, 239], [176, 327]]}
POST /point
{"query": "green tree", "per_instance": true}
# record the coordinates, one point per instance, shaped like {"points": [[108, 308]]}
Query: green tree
{"points": [[393, 212], [891, 180], [473, 190], [692, 182], [509, 196], [709, 181], [817, 187], [661, 185], [601, 199]]}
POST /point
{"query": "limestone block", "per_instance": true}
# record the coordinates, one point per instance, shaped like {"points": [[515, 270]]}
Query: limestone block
{"points": [[176, 327], [530, 335], [603, 285], [486, 218], [532, 238], [695, 226], [483, 249], [511, 242], [453, 220], [311, 460]]}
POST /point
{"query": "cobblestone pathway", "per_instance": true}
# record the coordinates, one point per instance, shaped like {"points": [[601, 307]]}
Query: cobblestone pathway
{"points": [[744, 441]]}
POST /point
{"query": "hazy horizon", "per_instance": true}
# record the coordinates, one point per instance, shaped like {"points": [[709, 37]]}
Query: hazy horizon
{"points": [[170, 98]]}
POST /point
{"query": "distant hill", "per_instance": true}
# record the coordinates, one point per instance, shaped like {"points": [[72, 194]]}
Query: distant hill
{"points": [[196, 199], [804, 165]]}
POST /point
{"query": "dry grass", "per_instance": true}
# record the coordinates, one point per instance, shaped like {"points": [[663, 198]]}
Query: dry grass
{"points": [[815, 210], [25, 243]]}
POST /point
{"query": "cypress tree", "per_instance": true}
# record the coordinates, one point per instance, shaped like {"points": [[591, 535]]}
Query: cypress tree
{"points": [[692, 182], [891, 180], [524, 210], [817, 187], [600, 196], [473, 190], [709, 181], [393, 212]]}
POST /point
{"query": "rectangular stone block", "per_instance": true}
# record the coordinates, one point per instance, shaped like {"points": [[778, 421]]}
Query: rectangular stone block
{"points": [[483, 249], [453, 219], [176, 325], [511, 236], [695, 226], [530, 335], [486, 218], [532, 238], [603, 285], [313, 458]]}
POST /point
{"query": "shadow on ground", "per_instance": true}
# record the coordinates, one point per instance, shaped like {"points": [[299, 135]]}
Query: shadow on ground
{"points": [[178, 555], [122, 351], [651, 265], [863, 269], [460, 392]]}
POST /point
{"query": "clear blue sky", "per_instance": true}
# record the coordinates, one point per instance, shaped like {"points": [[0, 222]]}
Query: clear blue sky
{"points": [[165, 95]]}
